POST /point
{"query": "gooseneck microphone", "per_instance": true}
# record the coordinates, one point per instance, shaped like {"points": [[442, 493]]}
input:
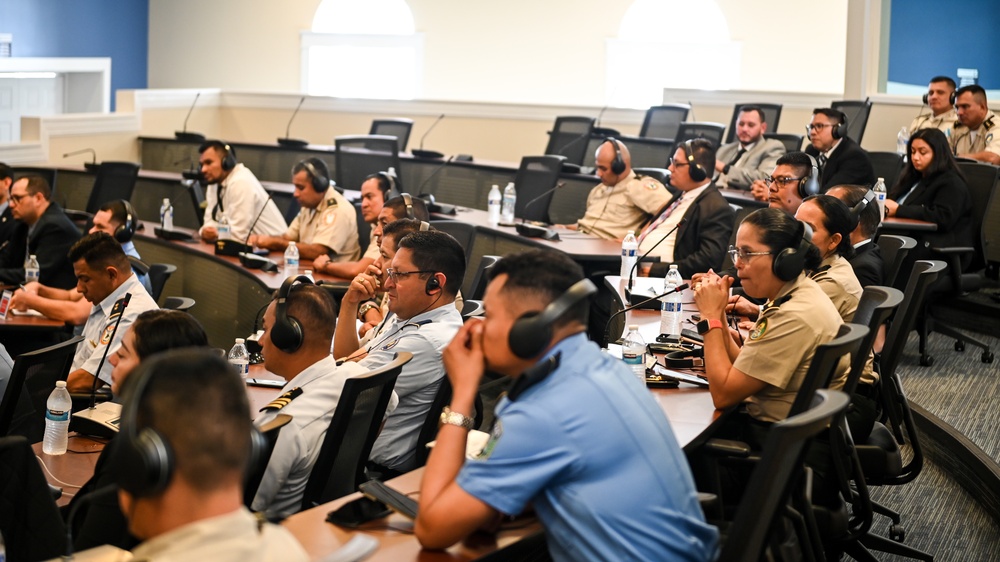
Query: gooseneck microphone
{"points": [[432, 205], [530, 230], [631, 273], [607, 327], [184, 135], [290, 142], [420, 152], [247, 257], [90, 166], [559, 185]]}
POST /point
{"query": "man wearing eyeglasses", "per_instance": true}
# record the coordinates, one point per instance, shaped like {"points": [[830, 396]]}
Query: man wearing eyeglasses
{"points": [[424, 276], [841, 160], [783, 188], [8, 226], [48, 237]]}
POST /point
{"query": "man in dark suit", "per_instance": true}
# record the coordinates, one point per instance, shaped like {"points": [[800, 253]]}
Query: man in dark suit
{"points": [[48, 237], [867, 262], [702, 217], [9, 228], [841, 160]]}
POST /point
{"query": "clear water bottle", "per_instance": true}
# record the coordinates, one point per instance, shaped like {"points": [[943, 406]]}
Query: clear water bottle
{"points": [[879, 190], [493, 202], [225, 233], [57, 409], [672, 309], [166, 215], [634, 352], [291, 260], [630, 253], [239, 358], [902, 138], [309, 273], [31, 270], [508, 203]]}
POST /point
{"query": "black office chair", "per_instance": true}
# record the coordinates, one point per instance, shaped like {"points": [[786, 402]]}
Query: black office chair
{"points": [[661, 175], [182, 304], [159, 273], [398, 127], [793, 143], [534, 181], [52, 363], [711, 132], [472, 309], [894, 249], [115, 180], [479, 281], [887, 165], [255, 472], [857, 113], [663, 121], [359, 156], [340, 467], [364, 228], [772, 114], [649, 152], [569, 138], [30, 522]]}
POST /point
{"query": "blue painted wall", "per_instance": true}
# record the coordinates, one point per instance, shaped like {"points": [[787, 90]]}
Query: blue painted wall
{"points": [[930, 37], [83, 28]]}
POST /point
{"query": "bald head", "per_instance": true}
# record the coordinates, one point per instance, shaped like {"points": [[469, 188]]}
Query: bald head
{"points": [[604, 158]]}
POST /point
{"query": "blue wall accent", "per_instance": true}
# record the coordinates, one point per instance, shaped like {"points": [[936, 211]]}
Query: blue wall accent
{"points": [[83, 28], [929, 38]]}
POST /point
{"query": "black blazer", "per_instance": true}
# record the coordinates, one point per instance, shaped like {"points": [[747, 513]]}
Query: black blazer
{"points": [[10, 228], [944, 200], [703, 237], [50, 241], [869, 267], [849, 164]]}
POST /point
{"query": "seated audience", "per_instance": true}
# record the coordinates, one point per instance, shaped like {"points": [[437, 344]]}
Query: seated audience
{"points": [[752, 156], [375, 310], [375, 190], [867, 261], [48, 237], [972, 135], [940, 99], [840, 158]]}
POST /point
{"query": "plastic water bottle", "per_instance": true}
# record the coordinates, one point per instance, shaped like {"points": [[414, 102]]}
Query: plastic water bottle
{"points": [[239, 358], [57, 409], [507, 206], [225, 233], [634, 352], [31, 271], [309, 273], [291, 260], [166, 215], [672, 308], [879, 190], [902, 138], [630, 253], [493, 202]]}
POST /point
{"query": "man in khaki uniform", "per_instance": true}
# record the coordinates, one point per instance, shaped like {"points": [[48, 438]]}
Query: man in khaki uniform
{"points": [[326, 224], [940, 98], [975, 134], [623, 201]]}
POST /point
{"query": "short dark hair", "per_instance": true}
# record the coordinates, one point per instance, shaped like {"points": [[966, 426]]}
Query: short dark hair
{"points": [[434, 250], [946, 80], [837, 219], [207, 429], [6, 171], [383, 183], [398, 206], [319, 166], [161, 329], [401, 226], [315, 310], [544, 274], [871, 215], [779, 230], [800, 161], [704, 153], [37, 184], [99, 250], [117, 209], [222, 147], [977, 91], [833, 114], [752, 108]]}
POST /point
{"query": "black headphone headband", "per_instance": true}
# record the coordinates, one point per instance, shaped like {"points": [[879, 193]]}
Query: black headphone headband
{"points": [[618, 164], [696, 172], [532, 331], [809, 185], [408, 201], [287, 334], [126, 230], [790, 262], [320, 182], [391, 180]]}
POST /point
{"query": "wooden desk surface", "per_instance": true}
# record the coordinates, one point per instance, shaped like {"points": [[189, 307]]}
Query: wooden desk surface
{"points": [[895, 225], [19, 322], [71, 470]]}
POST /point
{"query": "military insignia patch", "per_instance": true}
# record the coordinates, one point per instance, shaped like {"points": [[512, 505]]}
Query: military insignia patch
{"points": [[652, 186], [495, 434], [759, 329], [390, 345], [106, 336], [329, 216]]}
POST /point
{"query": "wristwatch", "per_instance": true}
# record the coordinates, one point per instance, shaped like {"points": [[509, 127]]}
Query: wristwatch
{"points": [[706, 325], [364, 310], [454, 418]]}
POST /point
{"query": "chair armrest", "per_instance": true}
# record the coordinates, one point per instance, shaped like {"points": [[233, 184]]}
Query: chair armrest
{"points": [[953, 250], [78, 216], [727, 448]]}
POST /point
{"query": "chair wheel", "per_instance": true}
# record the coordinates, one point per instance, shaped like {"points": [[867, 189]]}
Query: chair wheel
{"points": [[926, 360], [959, 345], [987, 357], [897, 533]]}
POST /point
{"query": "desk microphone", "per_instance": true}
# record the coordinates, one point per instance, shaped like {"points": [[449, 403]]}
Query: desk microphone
{"points": [[89, 166], [607, 327], [184, 135], [529, 230], [432, 205], [92, 421], [631, 273], [247, 257], [559, 185], [289, 142], [173, 233], [691, 111], [420, 152]]}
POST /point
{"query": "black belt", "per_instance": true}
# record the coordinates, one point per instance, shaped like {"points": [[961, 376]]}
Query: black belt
{"points": [[866, 390]]}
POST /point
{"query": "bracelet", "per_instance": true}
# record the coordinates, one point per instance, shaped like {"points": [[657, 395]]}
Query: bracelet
{"points": [[363, 310], [454, 418]]}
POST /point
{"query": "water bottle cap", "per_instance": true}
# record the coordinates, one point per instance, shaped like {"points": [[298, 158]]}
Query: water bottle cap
{"points": [[673, 266], [291, 242], [633, 327], [60, 384], [240, 340]]}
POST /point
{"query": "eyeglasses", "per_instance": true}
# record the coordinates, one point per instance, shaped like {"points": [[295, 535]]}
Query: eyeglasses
{"points": [[17, 198], [781, 181], [676, 163], [817, 126], [395, 275], [743, 255]]}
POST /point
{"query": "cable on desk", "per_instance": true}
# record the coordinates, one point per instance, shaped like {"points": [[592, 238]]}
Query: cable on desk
{"points": [[53, 476]]}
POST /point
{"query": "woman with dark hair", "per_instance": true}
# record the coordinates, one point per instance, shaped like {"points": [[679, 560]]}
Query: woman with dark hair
{"points": [[101, 521], [772, 255], [932, 188], [831, 223]]}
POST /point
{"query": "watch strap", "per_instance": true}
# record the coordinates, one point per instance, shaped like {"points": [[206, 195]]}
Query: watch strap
{"points": [[448, 417], [710, 324]]}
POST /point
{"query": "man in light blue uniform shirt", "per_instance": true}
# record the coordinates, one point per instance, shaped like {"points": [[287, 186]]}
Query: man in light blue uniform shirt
{"points": [[577, 437]]}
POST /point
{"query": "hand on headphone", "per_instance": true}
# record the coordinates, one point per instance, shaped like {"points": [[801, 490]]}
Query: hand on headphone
{"points": [[465, 363]]}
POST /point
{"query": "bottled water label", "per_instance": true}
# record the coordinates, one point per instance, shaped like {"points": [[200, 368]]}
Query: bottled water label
{"points": [[56, 415], [672, 307], [242, 367]]}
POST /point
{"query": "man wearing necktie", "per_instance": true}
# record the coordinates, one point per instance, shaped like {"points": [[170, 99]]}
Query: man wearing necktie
{"points": [[693, 229], [752, 157], [841, 160]]}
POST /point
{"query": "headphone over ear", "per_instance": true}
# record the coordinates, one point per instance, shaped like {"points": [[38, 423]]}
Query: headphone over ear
{"points": [[618, 164], [839, 130], [532, 331], [952, 97], [432, 285], [390, 178], [319, 181], [696, 172], [809, 185], [229, 158], [790, 262], [126, 230], [860, 208], [408, 201], [286, 334]]}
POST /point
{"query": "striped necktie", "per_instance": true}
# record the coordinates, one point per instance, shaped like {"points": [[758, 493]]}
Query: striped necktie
{"points": [[659, 220]]}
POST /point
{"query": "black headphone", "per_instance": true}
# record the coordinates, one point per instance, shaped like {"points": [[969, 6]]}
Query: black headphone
{"points": [[860, 208], [126, 230], [809, 185], [408, 201], [143, 461], [951, 98], [696, 172], [432, 284], [790, 262], [319, 181], [686, 358], [839, 130], [391, 180], [532, 331], [286, 334], [618, 164], [229, 158]]}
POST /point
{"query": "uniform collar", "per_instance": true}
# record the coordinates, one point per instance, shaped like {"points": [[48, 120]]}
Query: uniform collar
{"points": [[325, 366], [128, 286]]}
